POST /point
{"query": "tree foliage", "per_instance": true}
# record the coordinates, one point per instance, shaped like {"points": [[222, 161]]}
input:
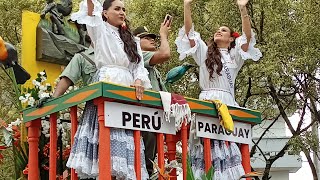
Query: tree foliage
{"points": [[284, 81], [10, 31]]}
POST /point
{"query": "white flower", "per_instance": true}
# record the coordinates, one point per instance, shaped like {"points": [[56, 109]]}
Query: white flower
{"points": [[24, 100], [173, 164], [46, 94], [48, 84], [43, 95], [68, 126], [193, 78], [36, 83], [31, 101], [47, 135], [9, 128], [70, 88], [42, 73], [43, 88], [21, 98], [28, 95], [66, 116], [60, 126], [43, 78], [45, 126], [17, 122]]}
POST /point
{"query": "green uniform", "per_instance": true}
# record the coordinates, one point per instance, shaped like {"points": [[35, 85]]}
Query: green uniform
{"points": [[149, 138], [154, 74], [80, 67]]}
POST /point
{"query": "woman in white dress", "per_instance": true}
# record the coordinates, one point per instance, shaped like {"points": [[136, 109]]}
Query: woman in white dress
{"points": [[219, 61], [118, 58]]}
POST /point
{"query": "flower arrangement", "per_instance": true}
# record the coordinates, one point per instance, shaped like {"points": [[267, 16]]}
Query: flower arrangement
{"points": [[12, 140], [40, 90], [12, 136]]}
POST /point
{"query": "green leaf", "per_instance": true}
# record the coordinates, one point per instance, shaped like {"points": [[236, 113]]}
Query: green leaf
{"points": [[210, 173], [190, 175]]}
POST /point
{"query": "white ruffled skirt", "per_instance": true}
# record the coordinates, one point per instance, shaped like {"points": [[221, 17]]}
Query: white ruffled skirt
{"points": [[84, 157], [226, 160]]}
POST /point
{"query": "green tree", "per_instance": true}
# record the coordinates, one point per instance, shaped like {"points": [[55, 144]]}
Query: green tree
{"points": [[284, 81], [10, 31]]}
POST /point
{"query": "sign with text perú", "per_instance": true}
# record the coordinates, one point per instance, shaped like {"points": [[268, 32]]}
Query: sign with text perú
{"points": [[211, 128], [133, 117]]}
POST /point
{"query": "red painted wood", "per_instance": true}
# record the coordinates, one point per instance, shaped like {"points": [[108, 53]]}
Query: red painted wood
{"points": [[53, 147], [245, 152], [137, 154], [184, 140], [171, 142], [104, 143], [74, 126], [160, 147], [207, 154], [33, 140]]}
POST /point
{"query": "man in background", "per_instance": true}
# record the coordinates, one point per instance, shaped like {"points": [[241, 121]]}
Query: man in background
{"points": [[152, 57]]}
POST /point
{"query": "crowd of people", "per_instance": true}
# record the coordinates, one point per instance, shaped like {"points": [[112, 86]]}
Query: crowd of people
{"points": [[129, 58]]}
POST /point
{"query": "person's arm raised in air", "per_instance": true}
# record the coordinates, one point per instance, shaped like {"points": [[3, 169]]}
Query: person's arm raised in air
{"points": [[189, 42], [90, 7], [163, 54], [246, 24], [188, 19]]}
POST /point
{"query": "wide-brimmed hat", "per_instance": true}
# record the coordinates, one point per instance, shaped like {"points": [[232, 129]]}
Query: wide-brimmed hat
{"points": [[142, 31]]}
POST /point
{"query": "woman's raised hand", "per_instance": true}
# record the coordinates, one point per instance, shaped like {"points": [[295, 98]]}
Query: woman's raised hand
{"points": [[188, 1], [239, 2]]}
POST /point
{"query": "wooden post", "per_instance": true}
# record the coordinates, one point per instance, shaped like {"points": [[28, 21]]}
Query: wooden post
{"points": [[74, 125], [104, 143], [137, 154], [244, 148], [184, 139], [160, 147], [171, 144], [53, 147], [33, 140], [207, 154]]}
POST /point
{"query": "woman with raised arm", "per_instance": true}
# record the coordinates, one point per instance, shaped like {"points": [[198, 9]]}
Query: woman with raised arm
{"points": [[118, 58], [219, 61]]}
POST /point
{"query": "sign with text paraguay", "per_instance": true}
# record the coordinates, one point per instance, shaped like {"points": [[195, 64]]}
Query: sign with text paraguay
{"points": [[133, 117], [211, 128]]}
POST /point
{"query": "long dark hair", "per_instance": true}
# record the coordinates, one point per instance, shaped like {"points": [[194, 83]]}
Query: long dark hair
{"points": [[214, 56], [130, 46]]}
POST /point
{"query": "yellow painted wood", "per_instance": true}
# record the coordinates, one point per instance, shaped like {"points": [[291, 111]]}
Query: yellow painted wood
{"points": [[30, 21]]}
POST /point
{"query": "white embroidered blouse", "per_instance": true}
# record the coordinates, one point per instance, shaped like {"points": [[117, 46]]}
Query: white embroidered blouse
{"points": [[109, 48], [220, 87]]}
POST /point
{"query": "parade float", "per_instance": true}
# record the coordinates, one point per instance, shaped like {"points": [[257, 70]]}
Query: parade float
{"points": [[44, 45]]}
